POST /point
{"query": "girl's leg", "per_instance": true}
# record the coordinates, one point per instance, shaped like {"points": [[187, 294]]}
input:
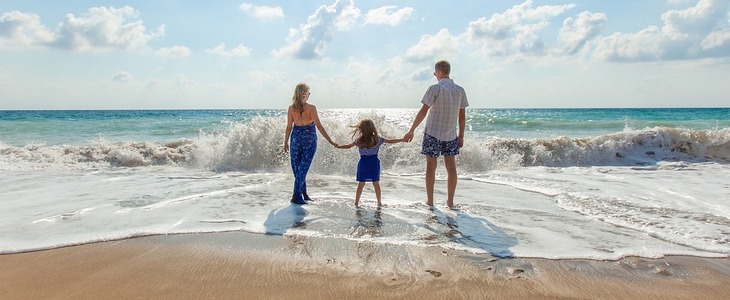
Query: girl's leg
{"points": [[376, 186], [360, 185]]}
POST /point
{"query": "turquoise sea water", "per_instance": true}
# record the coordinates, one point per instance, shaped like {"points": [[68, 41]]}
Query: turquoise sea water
{"points": [[551, 183], [78, 127]]}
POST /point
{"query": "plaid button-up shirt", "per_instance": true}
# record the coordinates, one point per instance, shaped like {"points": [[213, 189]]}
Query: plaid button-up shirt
{"points": [[444, 100]]}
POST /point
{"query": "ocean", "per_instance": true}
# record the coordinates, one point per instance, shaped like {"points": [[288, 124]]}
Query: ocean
{"points": [[544, 183]]}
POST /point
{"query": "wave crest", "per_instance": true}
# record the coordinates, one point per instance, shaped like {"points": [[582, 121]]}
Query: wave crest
{"points": [[256, 146]]}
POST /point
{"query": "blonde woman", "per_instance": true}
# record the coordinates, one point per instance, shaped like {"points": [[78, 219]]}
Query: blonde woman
{"points": [[302, 123]]}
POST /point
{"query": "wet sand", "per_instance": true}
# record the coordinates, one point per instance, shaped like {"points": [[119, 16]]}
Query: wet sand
{"points": [[237, 265]]}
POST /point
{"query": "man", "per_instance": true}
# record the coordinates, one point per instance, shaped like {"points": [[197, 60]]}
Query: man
{"points": [[445, 103]]}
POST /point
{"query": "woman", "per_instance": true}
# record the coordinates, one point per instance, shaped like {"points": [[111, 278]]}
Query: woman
{"points": [[301, 121]]}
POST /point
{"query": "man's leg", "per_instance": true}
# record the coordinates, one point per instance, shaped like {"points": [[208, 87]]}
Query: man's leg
{"points": [[450, 162], [431, 164]]}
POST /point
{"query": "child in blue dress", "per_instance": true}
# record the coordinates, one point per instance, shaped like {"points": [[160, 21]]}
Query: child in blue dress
{"points": [[368, 142]]}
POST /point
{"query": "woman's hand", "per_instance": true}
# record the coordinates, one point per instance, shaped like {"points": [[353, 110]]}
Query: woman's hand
{"points": [[286, 147]]}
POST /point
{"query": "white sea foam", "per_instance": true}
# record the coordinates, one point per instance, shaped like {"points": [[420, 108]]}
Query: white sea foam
{"points": [[257, 146], [593, 212]]}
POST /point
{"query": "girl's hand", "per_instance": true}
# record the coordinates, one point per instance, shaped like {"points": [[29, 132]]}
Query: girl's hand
{"points": [[286, 147]]}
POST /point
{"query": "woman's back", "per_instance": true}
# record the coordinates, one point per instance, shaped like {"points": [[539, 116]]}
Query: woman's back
{"points": [[304, 117]]}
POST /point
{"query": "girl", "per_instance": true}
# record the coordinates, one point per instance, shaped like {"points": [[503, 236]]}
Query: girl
{"points": [[368, 142], [301, 121]]}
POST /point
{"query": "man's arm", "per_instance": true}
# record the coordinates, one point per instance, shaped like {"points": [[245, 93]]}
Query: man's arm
{"points": [[419, 118], [462, 124]]}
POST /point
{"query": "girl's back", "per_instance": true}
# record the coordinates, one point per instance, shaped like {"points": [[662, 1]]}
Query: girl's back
{"points": [[367, 151]]}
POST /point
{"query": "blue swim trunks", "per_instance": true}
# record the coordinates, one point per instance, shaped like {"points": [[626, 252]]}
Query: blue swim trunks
{"points": [[433, 147]]}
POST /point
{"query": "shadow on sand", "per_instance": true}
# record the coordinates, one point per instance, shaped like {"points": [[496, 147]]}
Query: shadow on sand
{"points": [[279, 221], [367, 224], [475, 232]]}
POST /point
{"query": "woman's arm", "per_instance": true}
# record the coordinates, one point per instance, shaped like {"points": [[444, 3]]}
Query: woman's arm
{"points": [[287, 131], [315, 118]]}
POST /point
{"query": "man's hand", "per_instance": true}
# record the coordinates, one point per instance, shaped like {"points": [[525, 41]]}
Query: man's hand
{"points": [[408, 137]]}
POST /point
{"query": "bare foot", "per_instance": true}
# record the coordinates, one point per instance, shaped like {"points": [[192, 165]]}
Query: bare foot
{"points": [[454, 207]]}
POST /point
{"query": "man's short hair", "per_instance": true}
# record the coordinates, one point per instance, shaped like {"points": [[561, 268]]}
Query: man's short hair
{"points": [[444, 67]]}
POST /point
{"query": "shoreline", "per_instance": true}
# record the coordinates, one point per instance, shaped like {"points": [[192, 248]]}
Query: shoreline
{"points": [[235, 265]]}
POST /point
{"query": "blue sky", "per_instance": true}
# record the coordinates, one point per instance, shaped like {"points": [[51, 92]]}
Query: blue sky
{"points": [[170, 54]]}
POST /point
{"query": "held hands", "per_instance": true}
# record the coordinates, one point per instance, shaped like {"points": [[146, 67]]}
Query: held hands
{"points": [[408, 137]]}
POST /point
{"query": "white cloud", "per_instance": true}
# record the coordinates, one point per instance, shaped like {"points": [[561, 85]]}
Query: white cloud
{"points": [[388, 15], [516, 30], [431, 47], [717, 39], [311, 39], [702, 18], [239, 51], [102, 29], [122, 77], [700, 31], [576, 32], [643, 45], [174, 52], [20, 30], [262, 12], [424, 73]]}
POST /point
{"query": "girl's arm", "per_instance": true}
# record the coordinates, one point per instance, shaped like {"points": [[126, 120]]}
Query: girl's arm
{"points": [[315, 118], [348, 146], [287, 131], [393, 141]]}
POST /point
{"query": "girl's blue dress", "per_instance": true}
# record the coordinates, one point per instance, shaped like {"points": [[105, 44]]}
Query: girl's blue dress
{"points": [[368, 168]]}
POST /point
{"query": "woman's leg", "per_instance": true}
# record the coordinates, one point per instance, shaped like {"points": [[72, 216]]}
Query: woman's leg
{"points": [[308, 148], [295, 155]]}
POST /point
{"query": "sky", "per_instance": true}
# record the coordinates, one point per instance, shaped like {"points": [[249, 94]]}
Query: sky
{"points": [[246, 54]]}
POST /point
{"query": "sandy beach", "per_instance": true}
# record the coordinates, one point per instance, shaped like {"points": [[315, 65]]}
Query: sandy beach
{"points": [[237, 265]]}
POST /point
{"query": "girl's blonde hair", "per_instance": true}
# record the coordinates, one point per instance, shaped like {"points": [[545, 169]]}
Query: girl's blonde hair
{"points": [[365, 134], [299, 94]]}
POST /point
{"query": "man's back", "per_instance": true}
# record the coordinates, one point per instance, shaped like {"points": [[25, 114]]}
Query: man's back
{"points": [[445, 99]]}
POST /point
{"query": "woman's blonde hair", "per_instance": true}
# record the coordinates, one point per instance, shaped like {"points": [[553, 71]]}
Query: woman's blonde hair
{"points": [[299, 94], [365, 134]]}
